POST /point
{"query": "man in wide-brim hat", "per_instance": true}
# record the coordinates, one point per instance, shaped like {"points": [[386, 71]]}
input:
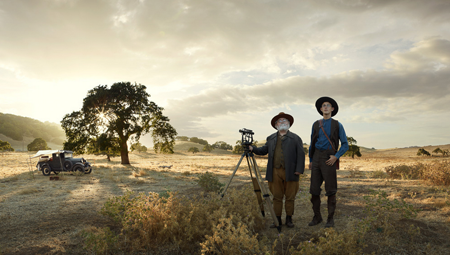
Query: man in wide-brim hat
{"points": [[286, 162], [323, 157]]}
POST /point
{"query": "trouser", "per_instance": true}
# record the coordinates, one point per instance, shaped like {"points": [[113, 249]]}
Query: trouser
{"points": [[321, 172], [280, 188]]}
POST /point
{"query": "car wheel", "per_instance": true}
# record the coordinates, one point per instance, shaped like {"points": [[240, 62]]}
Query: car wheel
{"points": [[46, 170], [78, 168], [88, 170], [67, 165]]}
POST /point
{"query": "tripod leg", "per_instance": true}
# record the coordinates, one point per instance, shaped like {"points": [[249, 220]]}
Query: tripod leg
{"points": [[232, 175], [265, 192], [256, 188]]}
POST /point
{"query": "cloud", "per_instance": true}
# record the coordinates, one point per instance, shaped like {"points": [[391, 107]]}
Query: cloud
{"points": [[155, 42], [388, 95]]}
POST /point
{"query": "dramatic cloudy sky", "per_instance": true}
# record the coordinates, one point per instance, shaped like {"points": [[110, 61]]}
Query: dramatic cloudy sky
{"points": [[218, 66]]}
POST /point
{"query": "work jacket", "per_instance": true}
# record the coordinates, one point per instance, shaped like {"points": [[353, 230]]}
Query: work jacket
{"points": [[294, 155]]}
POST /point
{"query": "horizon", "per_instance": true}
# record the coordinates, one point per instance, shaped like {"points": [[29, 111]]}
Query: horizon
{"points": [[150, 145], [216, 67]]}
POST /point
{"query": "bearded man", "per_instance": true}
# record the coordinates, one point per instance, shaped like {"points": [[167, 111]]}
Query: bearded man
{"points": [[285, 163]]}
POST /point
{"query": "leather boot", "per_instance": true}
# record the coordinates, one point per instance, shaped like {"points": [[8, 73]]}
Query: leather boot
{"points": [[331, 209], [279, 222], [289, 223], [315, 200]]}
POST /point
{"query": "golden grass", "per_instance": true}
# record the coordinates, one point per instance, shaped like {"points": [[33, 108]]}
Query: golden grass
{"points": [[78, 199]]}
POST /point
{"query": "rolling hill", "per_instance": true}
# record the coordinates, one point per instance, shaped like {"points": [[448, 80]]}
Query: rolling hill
{"points": [[20, 131]]}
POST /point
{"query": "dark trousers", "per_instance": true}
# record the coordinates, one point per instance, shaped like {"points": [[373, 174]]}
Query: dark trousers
{"points": [[321, 172]]}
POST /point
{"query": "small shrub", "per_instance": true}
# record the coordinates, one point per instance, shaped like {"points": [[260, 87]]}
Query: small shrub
{"points": [[405, 171], [330, 241], [378, 174], [355, 174], [209, 182], [231, 238], [437, 173], [193, 150], [100, 241], [186, 173]]}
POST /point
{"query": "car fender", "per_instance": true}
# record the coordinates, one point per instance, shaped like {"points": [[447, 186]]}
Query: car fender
{"points": [[45, 164], [78, 164]]}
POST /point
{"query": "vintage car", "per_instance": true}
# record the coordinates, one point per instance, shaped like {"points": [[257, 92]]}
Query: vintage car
{"points": [[60, 161]]}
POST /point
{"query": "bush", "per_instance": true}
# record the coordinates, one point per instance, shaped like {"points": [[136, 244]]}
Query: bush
{"points": [[378, 174], [437, 173], [193, 150], [178, 224], [422, 151], [405, 171], [38, 144], [209, 182], [231, 238], [100, 241]]}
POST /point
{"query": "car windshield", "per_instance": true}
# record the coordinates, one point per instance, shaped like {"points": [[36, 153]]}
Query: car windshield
{"points": [[68, 155]]}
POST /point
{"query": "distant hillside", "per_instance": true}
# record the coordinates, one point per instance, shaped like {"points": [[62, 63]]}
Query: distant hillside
{"points": [[18, 131], [183, 146]]}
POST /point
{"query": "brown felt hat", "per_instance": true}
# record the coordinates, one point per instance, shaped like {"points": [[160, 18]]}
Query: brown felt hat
{"points": [[330, 100], [282, 115]]}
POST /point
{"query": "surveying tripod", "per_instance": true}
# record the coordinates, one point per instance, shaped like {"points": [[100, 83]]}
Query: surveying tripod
{"points": [[257, 180]]}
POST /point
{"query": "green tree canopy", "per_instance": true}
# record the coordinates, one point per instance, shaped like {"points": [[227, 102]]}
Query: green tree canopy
{"points": [[5, 146], [208, 148], [351, 140], [437, 151], [222, 145], [138, 147], [193, 150], [353, 149], [104, 145], [182, 138], [238, 148], [122, 112], [198, 140], [38, 144], [422, 151]]}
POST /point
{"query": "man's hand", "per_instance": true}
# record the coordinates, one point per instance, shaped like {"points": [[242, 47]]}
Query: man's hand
{"points": [[250, 148], [331, 161], [296, 173], [310, 166]]}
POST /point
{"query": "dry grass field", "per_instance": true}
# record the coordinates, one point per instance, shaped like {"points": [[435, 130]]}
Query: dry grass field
{"points": [[43, 216]]}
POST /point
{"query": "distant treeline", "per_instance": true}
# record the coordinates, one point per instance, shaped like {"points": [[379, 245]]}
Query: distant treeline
{"points": [[16, 127], [217, 145]]}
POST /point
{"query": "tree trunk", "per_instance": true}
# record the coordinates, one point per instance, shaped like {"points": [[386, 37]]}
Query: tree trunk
{"points": [[124, 153]]}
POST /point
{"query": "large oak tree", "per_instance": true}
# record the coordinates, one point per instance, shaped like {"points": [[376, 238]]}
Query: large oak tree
{"points": [[122, 112]]}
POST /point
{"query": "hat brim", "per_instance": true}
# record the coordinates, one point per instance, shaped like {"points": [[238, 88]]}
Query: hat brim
{"points": [[333, 103], [282, 115]]}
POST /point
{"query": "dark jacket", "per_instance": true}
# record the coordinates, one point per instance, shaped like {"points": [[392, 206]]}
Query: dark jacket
{"points": [[294, 155]]}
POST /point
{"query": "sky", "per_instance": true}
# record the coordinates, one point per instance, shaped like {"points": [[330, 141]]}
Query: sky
{"points": [[220, 66]]}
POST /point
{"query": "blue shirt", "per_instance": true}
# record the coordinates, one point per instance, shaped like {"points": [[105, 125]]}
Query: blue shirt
{"points": [[323, 143]]}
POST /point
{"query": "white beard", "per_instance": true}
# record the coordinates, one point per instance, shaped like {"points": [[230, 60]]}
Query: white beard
{"points": [[283, 127]]}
